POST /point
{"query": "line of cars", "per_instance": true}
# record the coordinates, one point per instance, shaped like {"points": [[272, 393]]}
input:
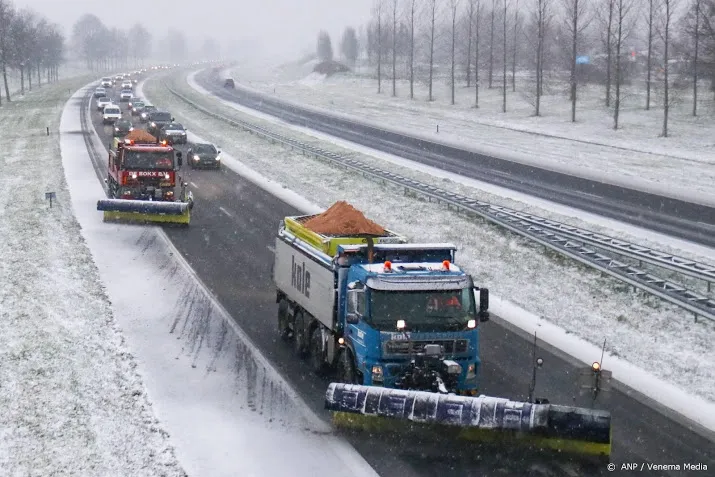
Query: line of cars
{"points": [[160, 124]]}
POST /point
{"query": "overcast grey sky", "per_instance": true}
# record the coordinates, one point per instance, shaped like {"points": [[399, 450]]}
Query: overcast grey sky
{"points": [[274, 25]]}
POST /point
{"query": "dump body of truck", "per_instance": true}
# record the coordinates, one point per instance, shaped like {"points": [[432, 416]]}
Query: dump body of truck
{"points": [[370, 309]]}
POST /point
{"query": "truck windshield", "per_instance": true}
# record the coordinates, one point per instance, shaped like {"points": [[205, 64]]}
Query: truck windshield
{"points": [[423, 311], [148, 160]]}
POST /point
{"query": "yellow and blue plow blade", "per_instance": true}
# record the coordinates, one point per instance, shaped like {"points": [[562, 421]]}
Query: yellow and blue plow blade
{"points": [[491, 420], [145, 211]]}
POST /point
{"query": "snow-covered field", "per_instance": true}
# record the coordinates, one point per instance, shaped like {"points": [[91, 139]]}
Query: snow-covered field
{"points": [[683, 163], [639, 329], [72, 400]]}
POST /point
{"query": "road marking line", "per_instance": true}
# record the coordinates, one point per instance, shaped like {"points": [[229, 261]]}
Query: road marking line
{"points": [[194, 185], [225, 211], [272, 249]]}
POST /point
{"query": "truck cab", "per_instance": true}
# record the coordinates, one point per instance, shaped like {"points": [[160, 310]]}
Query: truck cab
{"points": [[412, 297]]}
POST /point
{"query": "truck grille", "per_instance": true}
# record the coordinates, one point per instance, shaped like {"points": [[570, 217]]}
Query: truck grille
{"points": [[401, 348]]}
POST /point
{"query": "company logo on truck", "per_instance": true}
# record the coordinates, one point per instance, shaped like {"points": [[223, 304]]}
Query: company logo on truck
{"points": [[300, 277]]}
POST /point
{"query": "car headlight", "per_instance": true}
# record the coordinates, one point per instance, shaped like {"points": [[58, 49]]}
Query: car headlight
{"points": [[116, 129], [196, 158], [218, 158], [153, 125], [131, 129]]}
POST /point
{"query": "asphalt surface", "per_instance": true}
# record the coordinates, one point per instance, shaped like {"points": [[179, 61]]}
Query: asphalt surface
{"points": [[233, 224], [678, 218]]}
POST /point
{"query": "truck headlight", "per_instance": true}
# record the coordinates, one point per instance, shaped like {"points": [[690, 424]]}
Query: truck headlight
{"points": [[471, 371], [452, 367], [377, 375]]}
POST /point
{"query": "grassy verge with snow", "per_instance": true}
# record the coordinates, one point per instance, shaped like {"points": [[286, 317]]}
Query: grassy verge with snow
{"points": [[72, 400], [639, 328]]}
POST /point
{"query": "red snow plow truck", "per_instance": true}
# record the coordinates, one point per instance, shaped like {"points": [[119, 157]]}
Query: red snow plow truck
{"points": [[142, 182]]}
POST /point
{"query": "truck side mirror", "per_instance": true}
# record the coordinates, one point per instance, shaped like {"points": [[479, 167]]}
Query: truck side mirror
{"points": [[352, 318], [483, 304]]}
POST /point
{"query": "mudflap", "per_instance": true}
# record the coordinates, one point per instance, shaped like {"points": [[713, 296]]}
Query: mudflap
{"points": [[144, 211], [476, 427]]}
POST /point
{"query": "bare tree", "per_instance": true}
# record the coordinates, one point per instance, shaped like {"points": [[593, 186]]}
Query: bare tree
{"points": [[696, 47], [575, 25], [504, 31], [7, 14], [669, 10], [140, 43], [514, 46], [478, 22], [623, 10], [412, 49], [324, 47], [542, 17], [453, 5], [491, 43], [379, 46], [433, 17], [470, 28]]}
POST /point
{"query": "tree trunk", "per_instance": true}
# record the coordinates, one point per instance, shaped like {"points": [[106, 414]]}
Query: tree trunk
{"points": [[539, 56], [476, 57], [619, 40], [695, 59], [431, 49], [469, 44], [514, 47], [379, 49], [39, 75], [491, 45], [503, 107], [609, 49], [454, 34], [412, 51], [666, 99], [394, 48], [22, 80], [4, 77], [574, 51], [649, 61]]}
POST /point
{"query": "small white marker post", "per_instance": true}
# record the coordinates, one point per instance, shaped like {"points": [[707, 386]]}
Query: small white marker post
{"points": [[50, 195]]}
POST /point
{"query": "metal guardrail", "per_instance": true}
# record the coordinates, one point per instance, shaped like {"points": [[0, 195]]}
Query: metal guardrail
{"points": [[565, 239]]}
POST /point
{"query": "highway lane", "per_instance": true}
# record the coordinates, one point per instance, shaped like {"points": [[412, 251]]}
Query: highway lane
{"points": [[227, 243], [674, 217]]}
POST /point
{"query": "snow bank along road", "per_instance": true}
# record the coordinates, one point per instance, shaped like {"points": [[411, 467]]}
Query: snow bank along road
{"points": [[227, 410], [71, 400], [680, 216], [641, 433]]}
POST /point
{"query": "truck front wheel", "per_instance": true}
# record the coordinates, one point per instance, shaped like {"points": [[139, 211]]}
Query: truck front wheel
{"points": [[346, 367], [283, 328]]}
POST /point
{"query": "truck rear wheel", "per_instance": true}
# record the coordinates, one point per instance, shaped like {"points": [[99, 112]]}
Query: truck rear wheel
{"points": [[299, 342], [317, 363], [283, 328], [346, 367]]}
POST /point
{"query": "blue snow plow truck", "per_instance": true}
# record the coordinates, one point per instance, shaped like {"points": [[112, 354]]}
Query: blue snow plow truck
{"points": [[397, 325], [376, 309]]}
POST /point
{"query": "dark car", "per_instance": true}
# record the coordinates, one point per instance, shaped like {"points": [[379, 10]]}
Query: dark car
{"points": [[173, 133], [100, 92], [137, 107], [123, 127], [157, 120], [148, 109], [229, 83], [203, 155], [131, 102]]}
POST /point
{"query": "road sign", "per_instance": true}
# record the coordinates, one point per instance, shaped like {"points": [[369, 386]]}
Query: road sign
{"points": [[582, 60], [50, 196]]}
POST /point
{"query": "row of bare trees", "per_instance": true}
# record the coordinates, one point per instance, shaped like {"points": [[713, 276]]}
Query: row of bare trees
{"points": [[30, 45], [543, 43]]}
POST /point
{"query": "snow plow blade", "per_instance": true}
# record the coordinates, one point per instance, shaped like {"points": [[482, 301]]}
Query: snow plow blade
{"points": [[426, 415], [145, 211]]}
